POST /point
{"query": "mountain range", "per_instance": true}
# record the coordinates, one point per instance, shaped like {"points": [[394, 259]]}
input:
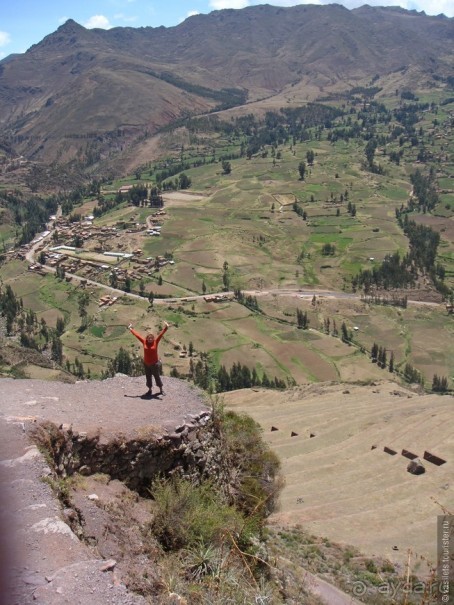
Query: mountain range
{"points": [[109, 90]]}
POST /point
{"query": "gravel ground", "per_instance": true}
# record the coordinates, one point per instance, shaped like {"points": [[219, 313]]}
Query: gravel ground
{"points": [[112, 406]]}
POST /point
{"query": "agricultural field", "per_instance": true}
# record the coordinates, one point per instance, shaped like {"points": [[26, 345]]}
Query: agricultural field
{"points": [[248, 220], [255, 267], [268, 340], [260, 227], [340, 483]]}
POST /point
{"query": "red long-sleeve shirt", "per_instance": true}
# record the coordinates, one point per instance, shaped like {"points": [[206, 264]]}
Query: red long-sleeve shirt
{"points": [[150, 353]]}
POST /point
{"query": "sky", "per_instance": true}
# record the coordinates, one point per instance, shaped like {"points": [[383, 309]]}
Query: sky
{"points": [[26, 22]]}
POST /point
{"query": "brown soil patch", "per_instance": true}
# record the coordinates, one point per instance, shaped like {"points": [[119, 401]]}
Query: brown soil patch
{"points": [[359, 369], [252, 356], [295, 356], [441, 224], [205, 258], [333, 347], [50, 316], [230, 313], [181, 196], [423, 294]]}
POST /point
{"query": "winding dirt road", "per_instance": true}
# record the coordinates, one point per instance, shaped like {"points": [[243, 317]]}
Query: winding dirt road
{"points": [[295, 292]]}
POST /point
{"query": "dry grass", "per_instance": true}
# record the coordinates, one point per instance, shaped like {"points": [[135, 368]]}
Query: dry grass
{"points": [[336, 485]]}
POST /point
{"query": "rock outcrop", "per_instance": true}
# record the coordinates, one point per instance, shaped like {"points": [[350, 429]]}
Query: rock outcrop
{"points": [[50, 431]]}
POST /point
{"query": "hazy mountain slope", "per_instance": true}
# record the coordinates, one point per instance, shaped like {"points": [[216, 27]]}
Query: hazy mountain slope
{"points": [[114, 86]]}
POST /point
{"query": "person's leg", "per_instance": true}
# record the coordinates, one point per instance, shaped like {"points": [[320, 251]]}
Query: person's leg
{"points": [[148, 374], [156, 375]]}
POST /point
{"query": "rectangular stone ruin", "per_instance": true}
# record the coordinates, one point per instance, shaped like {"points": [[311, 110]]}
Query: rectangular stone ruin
{"points": [[389, 451], [409, 455], [434, 459]]}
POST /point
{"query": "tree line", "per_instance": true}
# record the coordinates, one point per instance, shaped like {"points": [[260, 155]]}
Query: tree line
{"points": [[33, 334], [239, 376], [30, 215], [402, 272], [247, 300], [299, 210]]}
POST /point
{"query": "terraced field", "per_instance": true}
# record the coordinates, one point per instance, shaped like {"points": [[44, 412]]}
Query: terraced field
{"points": [[339, 481]]}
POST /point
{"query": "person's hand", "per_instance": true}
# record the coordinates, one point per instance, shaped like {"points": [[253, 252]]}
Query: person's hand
{"points": [[167, 325], [130, 327]]}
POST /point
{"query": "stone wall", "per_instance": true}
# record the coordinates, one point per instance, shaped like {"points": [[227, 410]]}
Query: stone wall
{"points": [[193, 450]]}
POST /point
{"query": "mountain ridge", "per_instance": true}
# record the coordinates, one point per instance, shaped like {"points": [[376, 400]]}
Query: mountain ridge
{"points": [[78, 83]]}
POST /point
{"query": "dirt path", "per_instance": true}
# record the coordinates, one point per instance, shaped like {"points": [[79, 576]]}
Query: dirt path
{"points": [[328, 593], [104, 406]]}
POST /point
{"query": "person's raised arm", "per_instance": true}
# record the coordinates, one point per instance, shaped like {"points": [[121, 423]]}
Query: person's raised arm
{"points": [[136, 334], [163, 331]]}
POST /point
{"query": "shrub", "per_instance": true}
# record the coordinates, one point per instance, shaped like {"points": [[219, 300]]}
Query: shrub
{"points": [[186, 515], [370, 566], [387, 567], [259, 480]]}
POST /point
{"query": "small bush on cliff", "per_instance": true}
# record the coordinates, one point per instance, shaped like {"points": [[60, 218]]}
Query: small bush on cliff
{"points": [[215, 530], [258, 479], [220, 557], [186, 514]]}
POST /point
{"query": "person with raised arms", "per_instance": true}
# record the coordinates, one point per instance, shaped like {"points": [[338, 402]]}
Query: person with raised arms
{"points": [[150, 357]]}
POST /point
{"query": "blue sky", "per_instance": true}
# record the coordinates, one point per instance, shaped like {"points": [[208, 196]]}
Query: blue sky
{"points": [[26, 22]]}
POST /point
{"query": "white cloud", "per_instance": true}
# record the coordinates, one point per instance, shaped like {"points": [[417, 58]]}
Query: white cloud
{"points": [[220, 4], [430, 7], [188, 14], [435, 7], [5, 38], [125, 18], [98, 21]]}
